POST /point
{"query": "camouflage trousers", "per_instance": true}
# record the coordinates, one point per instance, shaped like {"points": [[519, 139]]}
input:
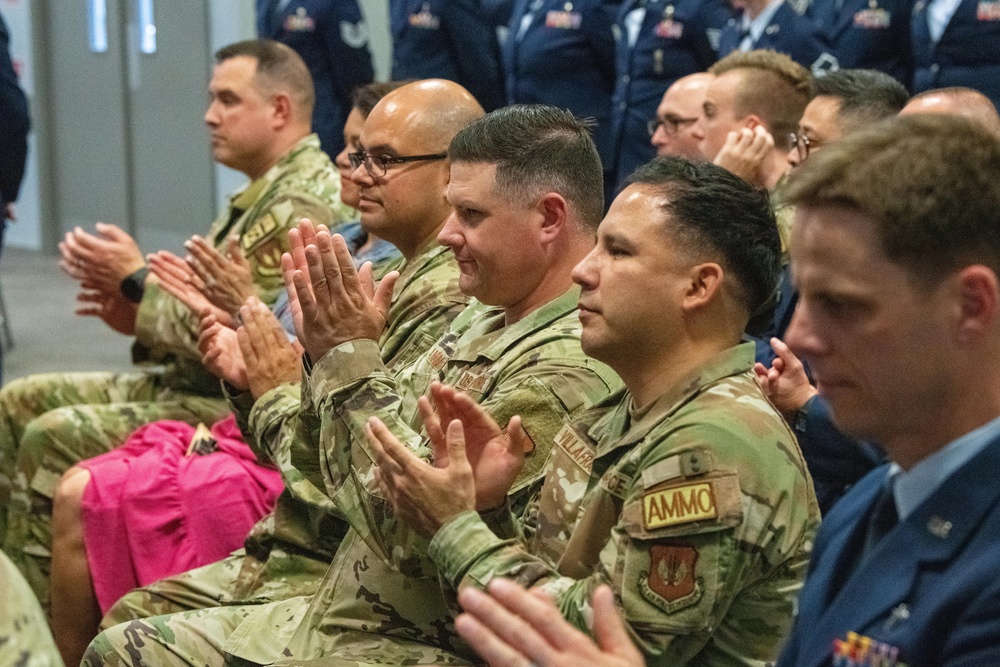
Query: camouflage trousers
{"points": [[48, 423], [240, 579], [221, 636], [25, 639]]}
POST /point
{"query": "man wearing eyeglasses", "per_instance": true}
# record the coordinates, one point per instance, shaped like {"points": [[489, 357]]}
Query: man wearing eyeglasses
{"points": [[843, 102], [672, 131]]}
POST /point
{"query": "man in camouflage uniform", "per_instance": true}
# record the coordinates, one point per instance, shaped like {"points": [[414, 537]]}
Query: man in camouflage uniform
{"points": [[287, 552], [525, 183], [25, 639], [686, 492], [261, 100]]}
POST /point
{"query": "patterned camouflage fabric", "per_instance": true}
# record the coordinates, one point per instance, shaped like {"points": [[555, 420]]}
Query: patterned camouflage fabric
{"points": [[25, 640], [288, 552], [50, 422], [697, 510], [381, 600]]}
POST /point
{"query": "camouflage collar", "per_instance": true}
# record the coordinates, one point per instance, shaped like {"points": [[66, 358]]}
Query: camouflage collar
{"points": [[734, 361], [427, 256], [245, 198], [490, 339]]}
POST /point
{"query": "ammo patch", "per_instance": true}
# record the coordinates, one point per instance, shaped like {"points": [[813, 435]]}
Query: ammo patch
{"points": [[678, 504]]}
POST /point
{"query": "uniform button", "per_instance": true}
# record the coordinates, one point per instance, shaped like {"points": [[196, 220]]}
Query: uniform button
{"points": [[935, 67], [622, 106], [626, 78]]}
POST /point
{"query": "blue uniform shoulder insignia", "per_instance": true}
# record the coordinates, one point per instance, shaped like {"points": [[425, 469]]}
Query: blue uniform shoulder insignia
{"points": [[355, 35]]}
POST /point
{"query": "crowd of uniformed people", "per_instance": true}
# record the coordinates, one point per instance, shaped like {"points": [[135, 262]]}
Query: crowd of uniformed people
{"points": [[609, 332]]}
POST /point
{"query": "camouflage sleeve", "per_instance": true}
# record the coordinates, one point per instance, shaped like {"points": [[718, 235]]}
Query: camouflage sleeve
{"points": [[544, 389], [718, 587], [271, 423], [164, 327], [25, 639]]}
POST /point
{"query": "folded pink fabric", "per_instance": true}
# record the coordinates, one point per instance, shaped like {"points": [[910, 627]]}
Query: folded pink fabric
{"points": [[150, 512]]}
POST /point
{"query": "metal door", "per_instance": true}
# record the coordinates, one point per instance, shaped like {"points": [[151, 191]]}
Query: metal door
{"points": [[127, 90]]}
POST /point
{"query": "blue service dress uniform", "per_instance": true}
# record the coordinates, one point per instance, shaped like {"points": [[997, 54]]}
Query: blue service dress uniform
{"points": [[868, 34], [447, 39], [927, 594], [332, 38], [676, 38], [564, 57], [790, 32], [968, 53]]}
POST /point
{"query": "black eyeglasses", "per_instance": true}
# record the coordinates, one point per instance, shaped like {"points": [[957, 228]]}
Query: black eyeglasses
{"points": [[378, 165], [801, 143], [671, 124]]}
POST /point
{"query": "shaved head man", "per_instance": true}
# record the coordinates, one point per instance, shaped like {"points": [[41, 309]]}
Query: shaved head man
{"points": [[402, 168], [961, 101], [672, 129]]}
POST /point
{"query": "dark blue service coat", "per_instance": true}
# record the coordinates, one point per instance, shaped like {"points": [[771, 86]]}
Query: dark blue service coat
{"points": [[14, 125], [929, 589], [677, 38], [789, 32], [447, 39], [565, 58], [332, 38], [968, 53], [868, 34]]}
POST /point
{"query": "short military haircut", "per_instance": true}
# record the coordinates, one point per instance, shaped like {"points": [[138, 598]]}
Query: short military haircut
{"points": [[279, 69], [930, 183], [866, 96], [364, 98], [774, 87], [537, 149], [723, 217]]}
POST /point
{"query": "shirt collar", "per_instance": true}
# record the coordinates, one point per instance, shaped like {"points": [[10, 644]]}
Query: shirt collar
{"points": [[912, 487], [756, 27]]}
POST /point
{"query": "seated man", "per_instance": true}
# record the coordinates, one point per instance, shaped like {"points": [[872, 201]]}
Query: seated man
{"points": [[685, 492], [672, 131], [261, 101], [288, 551], [756, 92], [896, 256], [525, 183]]}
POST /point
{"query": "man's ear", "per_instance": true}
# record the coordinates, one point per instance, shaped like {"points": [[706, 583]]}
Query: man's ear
{"points": [[706, 281], [752, 121], [282, 110], [978, 292], [555, 215]]}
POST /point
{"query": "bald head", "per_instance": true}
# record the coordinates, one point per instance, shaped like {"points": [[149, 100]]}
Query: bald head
{"points": [[431, 111], [958, 101], [676, 116]]}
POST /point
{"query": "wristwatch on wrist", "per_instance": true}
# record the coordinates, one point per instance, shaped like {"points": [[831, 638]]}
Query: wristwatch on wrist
{"points": [[133, 285]]}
